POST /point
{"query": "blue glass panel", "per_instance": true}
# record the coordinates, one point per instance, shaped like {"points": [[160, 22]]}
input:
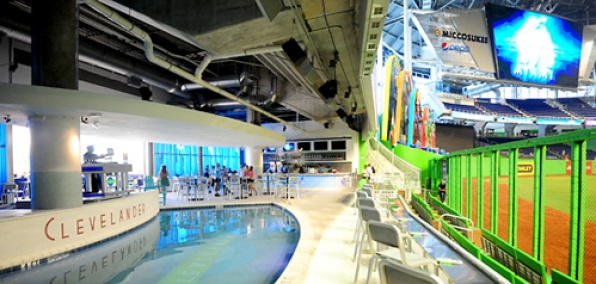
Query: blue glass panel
{"points": [[3, 154]]}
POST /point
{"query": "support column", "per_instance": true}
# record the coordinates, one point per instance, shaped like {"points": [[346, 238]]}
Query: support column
{"points": [[407, 39], [149, 159], [55, 162], [544, 129], [254, 156], [55, 140], [510, 129], [54, 44]]}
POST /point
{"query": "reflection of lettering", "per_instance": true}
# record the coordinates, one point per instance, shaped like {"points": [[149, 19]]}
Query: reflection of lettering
{"points": [[134, 249], [80, 226]]}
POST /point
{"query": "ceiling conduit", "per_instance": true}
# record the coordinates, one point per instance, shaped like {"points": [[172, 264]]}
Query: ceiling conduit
{"points": [[197, 77], [96, 58]]}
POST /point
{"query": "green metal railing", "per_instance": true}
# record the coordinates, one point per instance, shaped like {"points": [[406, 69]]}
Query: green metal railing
{"points": [[541, 189]]}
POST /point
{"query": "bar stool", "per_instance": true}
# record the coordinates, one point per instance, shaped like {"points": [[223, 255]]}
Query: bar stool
{"points": [[234, 186], [183, 185], [294, 184], [204, 187]]}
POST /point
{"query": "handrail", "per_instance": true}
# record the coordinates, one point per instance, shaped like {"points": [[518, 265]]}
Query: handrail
{"points": [[461, 218], [411, 173], [424, 192]]}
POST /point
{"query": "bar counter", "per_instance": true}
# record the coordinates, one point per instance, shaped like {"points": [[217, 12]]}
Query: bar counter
{"points": [[327, 180]]}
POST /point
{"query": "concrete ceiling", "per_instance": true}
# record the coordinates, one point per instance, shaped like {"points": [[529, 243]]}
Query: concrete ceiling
{"points": [[225, 28]]}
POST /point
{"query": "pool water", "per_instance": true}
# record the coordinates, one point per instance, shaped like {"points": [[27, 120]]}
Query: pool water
{"points": [[249, 244]]}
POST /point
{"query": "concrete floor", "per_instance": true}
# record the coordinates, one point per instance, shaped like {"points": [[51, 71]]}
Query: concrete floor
{"points": [[325, 250]]}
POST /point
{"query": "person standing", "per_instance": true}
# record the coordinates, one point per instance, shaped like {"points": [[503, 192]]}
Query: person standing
{"points": [[442, 190], [249, 174], [217, 174], [320, 169], [164, 178], [90, 158]]}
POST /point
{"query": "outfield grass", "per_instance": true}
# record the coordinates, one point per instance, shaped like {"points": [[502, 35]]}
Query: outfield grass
{"points": [[557, 192]]}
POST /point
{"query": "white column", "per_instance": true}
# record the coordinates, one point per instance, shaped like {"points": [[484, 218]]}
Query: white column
{"points": [[55, 162], [407, 37], [149, 155], [254, 157]]}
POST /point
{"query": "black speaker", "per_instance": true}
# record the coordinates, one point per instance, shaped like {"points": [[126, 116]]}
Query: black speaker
{"points": [[146, 93], [329, 89], [341, 113], [293, 50]]}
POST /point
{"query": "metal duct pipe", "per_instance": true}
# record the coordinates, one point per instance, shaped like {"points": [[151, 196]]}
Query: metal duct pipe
{"points": [[197, 77], [90, 55], [474, 90], [224, 83], [14, 34]]}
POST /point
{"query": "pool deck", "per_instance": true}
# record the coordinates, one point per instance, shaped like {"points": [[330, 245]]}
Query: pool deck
{"points": [[326, 248], [327, 221]]}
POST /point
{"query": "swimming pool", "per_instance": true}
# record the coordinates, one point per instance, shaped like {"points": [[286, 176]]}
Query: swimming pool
{"points": [[239, 244]]}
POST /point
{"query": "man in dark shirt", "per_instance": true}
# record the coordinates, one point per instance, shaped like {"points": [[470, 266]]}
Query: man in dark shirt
{"points": [[442, 190]]}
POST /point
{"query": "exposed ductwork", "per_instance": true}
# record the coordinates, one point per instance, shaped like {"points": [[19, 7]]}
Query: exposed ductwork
{"points": [[222, 83], [197, 77], [112, 61], [479, 89]]}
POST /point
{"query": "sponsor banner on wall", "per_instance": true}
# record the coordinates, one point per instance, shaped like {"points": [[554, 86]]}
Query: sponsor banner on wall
{"points": [[518, 120], [461, 38], [463, 115], [588, 167], [525, 168], [555, 121], [53, 232]]}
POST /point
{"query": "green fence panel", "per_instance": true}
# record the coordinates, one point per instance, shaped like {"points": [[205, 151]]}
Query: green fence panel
{"points": [[499, 268], [577, 210], [479, 191], [513, 195], [494, 192], [538, 230], [469, 186], [560, 278]]}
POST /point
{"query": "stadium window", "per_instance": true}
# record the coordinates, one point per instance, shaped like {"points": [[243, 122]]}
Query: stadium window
{"points": [[179, 159], [229, 157]]}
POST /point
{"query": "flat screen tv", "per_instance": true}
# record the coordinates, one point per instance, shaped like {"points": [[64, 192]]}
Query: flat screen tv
{"points": [[535, 48], [303, 146], [288, 147]]}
